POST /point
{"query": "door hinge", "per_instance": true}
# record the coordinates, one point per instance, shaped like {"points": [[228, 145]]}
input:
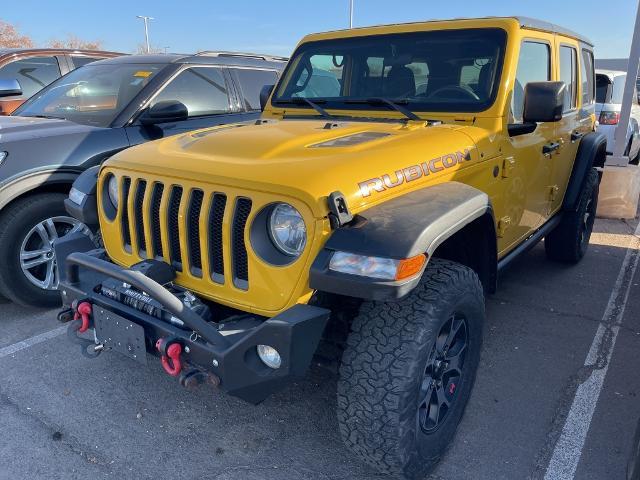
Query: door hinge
{"points": [[503, 224], [553, 192], [508, 166]]}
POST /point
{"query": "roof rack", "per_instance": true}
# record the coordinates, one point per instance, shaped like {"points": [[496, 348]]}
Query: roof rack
{"points": [[260, 56]]}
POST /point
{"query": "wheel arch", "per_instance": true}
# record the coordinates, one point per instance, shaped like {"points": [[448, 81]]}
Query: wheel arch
{"points": [[432, 221], [39, 182]]}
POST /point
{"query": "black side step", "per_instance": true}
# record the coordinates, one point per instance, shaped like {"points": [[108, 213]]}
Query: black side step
{"points": [[529, 243]]}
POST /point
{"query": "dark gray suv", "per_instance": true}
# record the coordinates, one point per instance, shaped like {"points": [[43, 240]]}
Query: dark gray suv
{"points": [[88, 115]]}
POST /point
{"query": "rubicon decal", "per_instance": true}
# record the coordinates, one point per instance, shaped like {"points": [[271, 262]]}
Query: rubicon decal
{"points": [[413, 172]]}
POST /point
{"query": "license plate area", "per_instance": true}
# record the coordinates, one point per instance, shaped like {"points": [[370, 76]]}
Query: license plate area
{"points": [[119, 334]]}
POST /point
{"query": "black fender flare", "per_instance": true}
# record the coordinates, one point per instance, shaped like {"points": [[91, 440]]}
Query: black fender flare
{"points": [[403, 227], [591, 153]]}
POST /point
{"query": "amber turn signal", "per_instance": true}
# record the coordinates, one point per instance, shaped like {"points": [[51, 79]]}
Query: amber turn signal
{"points": [[410, 266]]}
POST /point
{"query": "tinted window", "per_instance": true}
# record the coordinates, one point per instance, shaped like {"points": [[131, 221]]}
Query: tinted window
{"points": [[33, 73], [587, 75], [82, 61], [569, 75], [202, 89], [603, 88], [534, 65], [251, 82], [444, 70], [93, 95]]}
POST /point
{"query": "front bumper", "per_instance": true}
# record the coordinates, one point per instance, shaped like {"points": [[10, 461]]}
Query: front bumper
{"points": [[226, 350]]}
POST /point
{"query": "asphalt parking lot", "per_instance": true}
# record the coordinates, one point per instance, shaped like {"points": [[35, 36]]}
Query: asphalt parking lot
{"points": [[65, 416]]}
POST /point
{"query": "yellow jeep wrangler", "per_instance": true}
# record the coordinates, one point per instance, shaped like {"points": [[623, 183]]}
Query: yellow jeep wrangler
{"points": [[396, 170]]}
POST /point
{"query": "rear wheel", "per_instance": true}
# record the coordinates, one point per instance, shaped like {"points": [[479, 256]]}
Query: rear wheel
{"points": [[569, 241], [28, 265], [408, 371]]}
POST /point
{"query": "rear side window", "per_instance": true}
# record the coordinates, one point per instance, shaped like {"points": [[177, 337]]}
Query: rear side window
{"points": [[202, 89], [82, 61], [569, 75], [587, 74], [603, 88], [534, 65], [251, 82], [33, 73]]}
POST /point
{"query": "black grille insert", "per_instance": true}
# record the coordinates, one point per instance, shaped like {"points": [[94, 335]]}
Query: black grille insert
{"points": [[124, 205], [216, 215], [174, 231], [138, 218], [239, 249], [193, 227], [156, 231]]}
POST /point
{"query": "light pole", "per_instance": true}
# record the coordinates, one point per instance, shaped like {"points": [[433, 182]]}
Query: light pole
{"points": [[146, 30], [350, 13]]}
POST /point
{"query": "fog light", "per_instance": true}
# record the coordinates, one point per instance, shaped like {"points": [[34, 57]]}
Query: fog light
{"points": [[269, 356]]}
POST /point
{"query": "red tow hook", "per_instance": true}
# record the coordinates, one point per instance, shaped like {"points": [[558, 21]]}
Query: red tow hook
{"points": [[170, 356], [83, 311]]}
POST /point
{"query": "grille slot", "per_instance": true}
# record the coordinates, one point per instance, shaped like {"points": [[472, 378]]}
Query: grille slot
{"points": [[138, 218], [238, 247], [124, 219], [193, 229], [174, 232], [216, 215], [156, 231]]}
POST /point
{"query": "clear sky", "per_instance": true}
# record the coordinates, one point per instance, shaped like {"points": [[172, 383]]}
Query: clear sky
{"points": [[275, 26]]}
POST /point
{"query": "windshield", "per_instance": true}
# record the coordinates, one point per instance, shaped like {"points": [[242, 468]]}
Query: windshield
{"points": [[438, 71], [91, 95]]}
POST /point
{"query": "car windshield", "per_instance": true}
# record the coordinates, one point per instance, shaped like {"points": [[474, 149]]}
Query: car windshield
{"points": [[91, 95], [436, 71]]}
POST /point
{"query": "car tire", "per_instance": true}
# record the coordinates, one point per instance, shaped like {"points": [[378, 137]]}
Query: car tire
{"points": [[388, 391], [21, 238], [568, 242]]}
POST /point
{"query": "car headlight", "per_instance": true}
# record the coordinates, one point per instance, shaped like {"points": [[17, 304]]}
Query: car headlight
{"points": [[287, 229], [377, 267], [112, 188]]}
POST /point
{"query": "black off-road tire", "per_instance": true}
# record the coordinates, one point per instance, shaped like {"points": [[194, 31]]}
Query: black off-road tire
{"points": [[568, 242], [388, 366], [16, 221]]}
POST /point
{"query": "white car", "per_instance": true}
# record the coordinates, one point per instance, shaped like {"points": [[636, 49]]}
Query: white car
{"points": [[609, 88]]}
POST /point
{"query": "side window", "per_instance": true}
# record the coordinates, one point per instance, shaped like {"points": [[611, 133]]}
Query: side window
{"points": [[569, 75], [251, 82], [33, 73], [534, 65], [202, 89], [82, 61], [588, 76]]}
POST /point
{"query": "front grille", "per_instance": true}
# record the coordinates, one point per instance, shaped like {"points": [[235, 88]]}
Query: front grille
{"points": [[162, 214]]}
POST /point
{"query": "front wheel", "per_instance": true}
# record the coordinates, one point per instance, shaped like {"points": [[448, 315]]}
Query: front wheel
{"points": [[28, 264], [408, 371]]}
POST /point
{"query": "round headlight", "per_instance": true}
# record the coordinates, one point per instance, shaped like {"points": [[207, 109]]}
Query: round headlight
{"points": [[112, 187], [287, 229]]}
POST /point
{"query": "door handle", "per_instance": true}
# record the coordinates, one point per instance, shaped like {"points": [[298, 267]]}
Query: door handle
{"points": [[549, 148], [576, 135]]}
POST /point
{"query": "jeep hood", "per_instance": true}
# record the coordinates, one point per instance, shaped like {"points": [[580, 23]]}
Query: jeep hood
{"points": [[307, 159]]}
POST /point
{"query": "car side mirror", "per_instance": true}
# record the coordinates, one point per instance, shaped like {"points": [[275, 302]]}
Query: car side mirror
{"points": [[543, 102], [265, 93], [10, 87], [165, 112]]}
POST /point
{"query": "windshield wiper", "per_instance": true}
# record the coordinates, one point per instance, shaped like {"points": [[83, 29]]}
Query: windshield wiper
{"points": [[385, 101], [303, 100]]}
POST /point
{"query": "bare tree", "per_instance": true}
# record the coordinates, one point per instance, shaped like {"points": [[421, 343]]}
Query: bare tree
{"points": [[142, 48], [10, 37], [72, 41]]}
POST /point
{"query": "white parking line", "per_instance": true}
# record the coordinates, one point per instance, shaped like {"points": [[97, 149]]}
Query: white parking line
{"points": [[568, 449], [30, 342]]}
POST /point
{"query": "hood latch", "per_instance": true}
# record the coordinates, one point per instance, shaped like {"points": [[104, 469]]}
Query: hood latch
{"points": [[339, 213]]}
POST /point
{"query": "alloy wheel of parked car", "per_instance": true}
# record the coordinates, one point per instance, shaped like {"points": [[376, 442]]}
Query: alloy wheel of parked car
{"points": [[37, 256]]}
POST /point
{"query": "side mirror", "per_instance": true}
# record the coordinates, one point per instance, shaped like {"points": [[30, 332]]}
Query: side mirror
{"points": [[10, 88], [265, 93], [543, 102], [165, 112]]}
